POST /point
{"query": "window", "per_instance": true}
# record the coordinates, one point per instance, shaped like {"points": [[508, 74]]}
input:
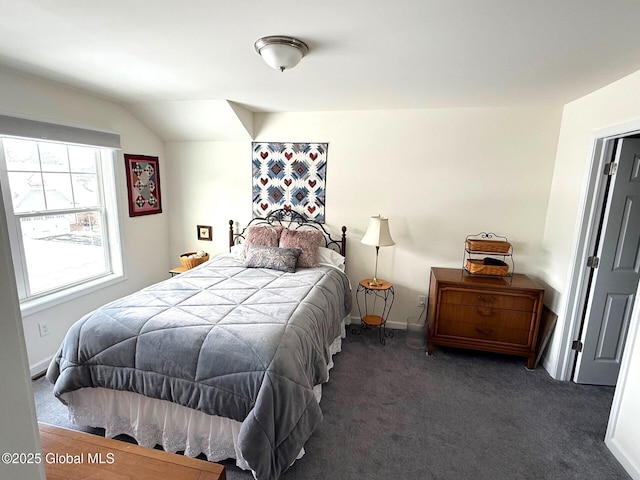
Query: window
{"points": [[61, 213]]}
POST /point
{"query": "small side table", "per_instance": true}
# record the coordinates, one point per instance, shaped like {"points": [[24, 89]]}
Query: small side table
{"points": [[367, 296], [177, 270]]}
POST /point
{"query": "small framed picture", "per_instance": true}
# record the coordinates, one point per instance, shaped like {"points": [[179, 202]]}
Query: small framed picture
{"points": [[204, 232]]}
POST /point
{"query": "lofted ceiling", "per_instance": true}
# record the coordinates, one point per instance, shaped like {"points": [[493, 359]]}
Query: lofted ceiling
{"points": [[176, 64]]}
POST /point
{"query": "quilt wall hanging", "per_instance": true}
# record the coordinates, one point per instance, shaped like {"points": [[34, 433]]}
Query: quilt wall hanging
{"points": [[143, 184], [291, 176]]}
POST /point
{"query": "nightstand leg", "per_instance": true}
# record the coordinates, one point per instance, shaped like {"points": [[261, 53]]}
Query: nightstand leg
{"points": [[383, 334]]}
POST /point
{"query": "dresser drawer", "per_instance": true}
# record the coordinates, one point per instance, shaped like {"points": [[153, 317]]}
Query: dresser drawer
{"points": [[480, 331], [488, 299], [489, 316]]}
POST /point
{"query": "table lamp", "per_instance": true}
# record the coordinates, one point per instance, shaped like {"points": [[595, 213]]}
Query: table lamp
{"points": [[377, 235]]}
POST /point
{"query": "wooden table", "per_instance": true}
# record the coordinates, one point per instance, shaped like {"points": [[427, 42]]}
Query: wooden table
{"points": [[177, 271], [380, 289], [72, 455]]}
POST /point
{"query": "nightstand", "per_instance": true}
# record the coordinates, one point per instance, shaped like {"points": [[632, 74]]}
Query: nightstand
{"points": [[177, 270], [374, 304]]}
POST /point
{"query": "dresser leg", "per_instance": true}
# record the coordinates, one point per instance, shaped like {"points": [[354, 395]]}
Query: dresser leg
{"points": [[430, 348], [531, 361]]}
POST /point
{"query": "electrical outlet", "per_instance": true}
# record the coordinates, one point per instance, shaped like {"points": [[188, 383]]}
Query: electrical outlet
{"points": [[44, 328], [422, 300]]}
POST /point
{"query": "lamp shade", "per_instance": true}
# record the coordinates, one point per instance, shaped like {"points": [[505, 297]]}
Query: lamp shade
{"points": [[281, 52], [378, 233]]}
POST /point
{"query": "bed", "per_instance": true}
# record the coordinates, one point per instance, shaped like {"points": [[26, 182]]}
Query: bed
{"points": [[226, 359]]}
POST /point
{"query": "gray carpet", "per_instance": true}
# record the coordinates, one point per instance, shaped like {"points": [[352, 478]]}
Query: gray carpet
{"points": [[390, 412]]}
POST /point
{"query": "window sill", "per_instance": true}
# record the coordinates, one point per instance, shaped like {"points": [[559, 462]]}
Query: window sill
{"points": [[29, 307]]}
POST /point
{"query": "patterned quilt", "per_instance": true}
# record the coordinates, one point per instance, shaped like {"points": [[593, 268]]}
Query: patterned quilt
{"points": [[243, 343]]}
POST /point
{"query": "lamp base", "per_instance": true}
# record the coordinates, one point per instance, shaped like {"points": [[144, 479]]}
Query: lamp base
{"points": [[374, 282]]}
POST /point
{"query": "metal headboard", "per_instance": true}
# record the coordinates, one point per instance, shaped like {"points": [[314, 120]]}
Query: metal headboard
{"points": [[293, 221]]}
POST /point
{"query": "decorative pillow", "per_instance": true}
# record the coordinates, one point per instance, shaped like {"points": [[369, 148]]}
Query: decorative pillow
{"points": [[306, 240], [238, 251], [261, 235], [263, 256], [331, 257]]}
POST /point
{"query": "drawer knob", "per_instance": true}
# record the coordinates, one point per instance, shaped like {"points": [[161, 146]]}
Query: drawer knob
{"points": [[486, 298], [486, 312]]}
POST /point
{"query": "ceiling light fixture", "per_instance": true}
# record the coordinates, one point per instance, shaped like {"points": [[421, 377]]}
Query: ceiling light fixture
{"points": [[281, 52]]}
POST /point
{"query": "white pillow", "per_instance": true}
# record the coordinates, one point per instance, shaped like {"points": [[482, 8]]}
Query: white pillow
{"points": [[327, 255], [238, 251]]}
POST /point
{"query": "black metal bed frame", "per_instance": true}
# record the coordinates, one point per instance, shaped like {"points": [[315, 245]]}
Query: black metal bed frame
{"points": [[291, 220]]}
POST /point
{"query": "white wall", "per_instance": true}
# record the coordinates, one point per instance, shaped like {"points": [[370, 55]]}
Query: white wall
{"points": [[439, 175], [582, 120], [145, 239], [210, 185], [17, 409], [623, 429], [609, 108]]}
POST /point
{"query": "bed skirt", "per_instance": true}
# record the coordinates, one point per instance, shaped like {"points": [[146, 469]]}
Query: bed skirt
{"points": [[154, 422]]}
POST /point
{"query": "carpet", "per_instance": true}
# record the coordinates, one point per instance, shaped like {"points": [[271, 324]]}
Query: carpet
{"points": [[390, 412]]}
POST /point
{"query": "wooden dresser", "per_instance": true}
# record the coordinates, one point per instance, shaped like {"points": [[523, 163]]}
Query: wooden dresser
{"points": [[484, 313]]}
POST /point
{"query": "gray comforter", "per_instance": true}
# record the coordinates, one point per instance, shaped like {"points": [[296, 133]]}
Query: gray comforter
{"points": [[243, 343]]}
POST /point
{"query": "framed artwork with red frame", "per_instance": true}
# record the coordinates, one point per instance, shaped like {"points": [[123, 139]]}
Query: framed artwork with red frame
{"points": [[143, 184]]}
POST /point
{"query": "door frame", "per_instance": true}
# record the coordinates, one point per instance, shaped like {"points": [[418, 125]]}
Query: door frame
{"points": [[591, 208]]}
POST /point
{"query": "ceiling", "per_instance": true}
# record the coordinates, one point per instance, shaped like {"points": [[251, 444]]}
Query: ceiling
{"points": [[158, 56]]}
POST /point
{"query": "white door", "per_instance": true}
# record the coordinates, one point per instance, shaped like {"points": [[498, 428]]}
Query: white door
{"points": [[615, 279]]}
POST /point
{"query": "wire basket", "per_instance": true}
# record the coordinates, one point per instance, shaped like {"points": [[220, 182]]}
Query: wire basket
{"points": [[187, 262], [478, 267], [488, 246]]}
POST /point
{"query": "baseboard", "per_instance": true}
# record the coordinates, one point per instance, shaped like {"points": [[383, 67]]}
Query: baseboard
{"points": [[624, 458], [38, 369], [396, 325]]}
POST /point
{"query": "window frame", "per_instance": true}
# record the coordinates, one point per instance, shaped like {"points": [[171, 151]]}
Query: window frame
{"points": [[111, 223]]}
